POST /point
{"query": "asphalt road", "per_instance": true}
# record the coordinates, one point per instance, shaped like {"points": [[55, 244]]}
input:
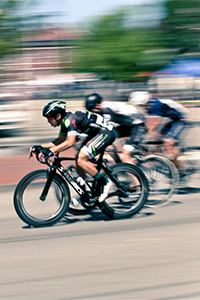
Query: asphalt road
{"points": [[152, 256]]}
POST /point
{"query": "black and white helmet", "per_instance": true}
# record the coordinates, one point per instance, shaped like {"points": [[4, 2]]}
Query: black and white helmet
{"points": [[53, 108], [92, 100], [139, 98]]}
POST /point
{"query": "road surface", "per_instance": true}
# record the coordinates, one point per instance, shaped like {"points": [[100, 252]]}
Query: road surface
{"points": [[152, 256]]}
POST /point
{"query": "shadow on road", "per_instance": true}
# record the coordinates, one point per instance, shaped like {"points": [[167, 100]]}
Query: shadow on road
{"points": [[188, 190], [92, 216]]}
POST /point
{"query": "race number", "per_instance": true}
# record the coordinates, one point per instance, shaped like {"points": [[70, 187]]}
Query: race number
{"points": [[103, 122]]}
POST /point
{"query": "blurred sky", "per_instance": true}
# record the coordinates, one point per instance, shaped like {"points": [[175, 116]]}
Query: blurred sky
{"points": [[75, 11]]}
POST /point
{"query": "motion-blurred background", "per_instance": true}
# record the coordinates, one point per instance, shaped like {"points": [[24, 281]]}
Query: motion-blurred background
{"points": [[67, 49]]}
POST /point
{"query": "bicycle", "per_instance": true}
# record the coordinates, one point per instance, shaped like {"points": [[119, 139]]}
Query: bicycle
{"points": [[162, 175], [42, 197], [189, 157]]}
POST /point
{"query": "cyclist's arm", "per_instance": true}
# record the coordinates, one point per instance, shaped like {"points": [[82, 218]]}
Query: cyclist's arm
{"points": [[57, 141], [64, 145]]}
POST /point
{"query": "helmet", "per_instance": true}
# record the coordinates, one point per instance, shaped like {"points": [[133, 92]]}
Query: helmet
{"points": [[92, 100], [53, 108], [139, 98]]}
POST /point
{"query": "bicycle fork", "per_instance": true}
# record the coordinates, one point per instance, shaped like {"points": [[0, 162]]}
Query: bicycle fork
{"points": [[48, 183]]}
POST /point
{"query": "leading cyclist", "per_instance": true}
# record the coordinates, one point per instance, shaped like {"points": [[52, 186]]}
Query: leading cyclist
{"points": [[99, 132]]}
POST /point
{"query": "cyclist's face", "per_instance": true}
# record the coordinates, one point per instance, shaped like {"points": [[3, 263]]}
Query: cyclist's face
{"points": [[52, 121], [97, 108]]}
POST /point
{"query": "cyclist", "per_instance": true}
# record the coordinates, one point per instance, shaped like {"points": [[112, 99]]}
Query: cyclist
{"points": [[157, 109], [100, 134], [129, 123]]}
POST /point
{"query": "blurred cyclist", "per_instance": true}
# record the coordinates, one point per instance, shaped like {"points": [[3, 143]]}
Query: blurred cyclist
{"points": [[129, 123], [100, 134], [157, 109]]}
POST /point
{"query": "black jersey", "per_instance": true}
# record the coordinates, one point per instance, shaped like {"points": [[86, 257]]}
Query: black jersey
{"points": [[83, 122], [122, 119]]}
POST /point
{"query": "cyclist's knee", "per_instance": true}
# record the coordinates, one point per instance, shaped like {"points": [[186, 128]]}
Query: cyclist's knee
{"points": [[169, 141], [82, 159]]}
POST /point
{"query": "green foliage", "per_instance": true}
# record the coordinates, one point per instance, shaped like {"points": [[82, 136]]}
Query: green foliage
{"points": [[119, 52], [182, 25], [9, 31], [12, 25]]}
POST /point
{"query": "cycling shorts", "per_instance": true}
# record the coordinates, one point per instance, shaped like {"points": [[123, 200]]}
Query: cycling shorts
{"points": [[173, 129], [134, 132], [95, 145]]}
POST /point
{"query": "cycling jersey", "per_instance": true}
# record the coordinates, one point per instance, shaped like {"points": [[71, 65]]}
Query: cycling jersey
{"points": [[99, 131], [129, 122], [120, 107], [121, 113], [83, 122], [167, 108]]}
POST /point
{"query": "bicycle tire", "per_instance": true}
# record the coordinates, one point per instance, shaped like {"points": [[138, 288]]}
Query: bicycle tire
{"points": [[116, 206], [192, 156], [189, 160], [31, 209], [81, 208], [163, 178]]}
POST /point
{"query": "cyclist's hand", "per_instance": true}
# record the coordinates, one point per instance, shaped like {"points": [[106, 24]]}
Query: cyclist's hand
{"points": [[36, 149], [46, 152]]}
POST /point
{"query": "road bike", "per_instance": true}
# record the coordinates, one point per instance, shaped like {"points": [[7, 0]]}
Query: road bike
{"points": [[42, 197], [162, 175], [188, 161]]}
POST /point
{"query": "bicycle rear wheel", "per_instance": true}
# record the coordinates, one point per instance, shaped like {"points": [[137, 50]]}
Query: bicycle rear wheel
{"points": [[163, 179], [34, 211], [129, 197]]}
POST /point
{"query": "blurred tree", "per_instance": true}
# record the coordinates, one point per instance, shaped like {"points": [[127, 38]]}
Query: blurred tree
{"points": [[13, 25], [121, 52], [124, 52], [182, 25], [8, 26]]}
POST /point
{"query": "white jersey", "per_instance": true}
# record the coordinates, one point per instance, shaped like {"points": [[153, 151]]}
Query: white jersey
{"points": [[120, 107], [121, 113]]}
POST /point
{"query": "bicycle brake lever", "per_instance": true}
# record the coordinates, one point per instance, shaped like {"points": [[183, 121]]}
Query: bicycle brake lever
{"points": [[30, 155]]}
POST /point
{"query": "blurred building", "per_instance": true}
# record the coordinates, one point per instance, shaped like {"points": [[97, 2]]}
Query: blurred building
{"points": [[44, 51]]}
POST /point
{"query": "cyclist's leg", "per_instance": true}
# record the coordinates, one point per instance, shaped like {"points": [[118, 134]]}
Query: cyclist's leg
{"points": [[94, 147], [136, 133], [172, 132]]}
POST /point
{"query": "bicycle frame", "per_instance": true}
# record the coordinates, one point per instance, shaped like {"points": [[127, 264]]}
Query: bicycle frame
{"points": [[56, 165]]}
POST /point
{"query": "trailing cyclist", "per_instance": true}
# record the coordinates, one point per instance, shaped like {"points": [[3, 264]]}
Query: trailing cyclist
{"points": [[129, 123], [100, 134], [157, 110]]}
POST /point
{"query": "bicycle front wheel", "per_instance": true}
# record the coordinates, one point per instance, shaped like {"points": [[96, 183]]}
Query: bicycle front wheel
{"points": [[31, 209], [128, 195], [163, 179]]}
